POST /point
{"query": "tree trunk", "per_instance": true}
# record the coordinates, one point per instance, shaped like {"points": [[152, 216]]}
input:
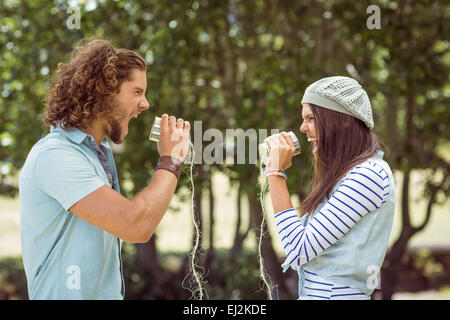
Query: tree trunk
{"points": [[147, 261], [185, 265], [198, 216], [239, 237], [237, 242], [147, 256], [391, 130], [211, 251], [271, 262], [393, 263]]}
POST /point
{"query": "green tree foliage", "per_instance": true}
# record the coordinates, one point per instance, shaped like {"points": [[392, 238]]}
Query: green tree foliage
{"points": [[243, 64]]}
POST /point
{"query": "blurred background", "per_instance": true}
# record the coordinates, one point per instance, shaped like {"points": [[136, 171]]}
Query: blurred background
{"points": [[243, 64]]}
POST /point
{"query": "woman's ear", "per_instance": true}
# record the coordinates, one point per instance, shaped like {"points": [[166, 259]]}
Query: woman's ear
{"points": [[347, 122]]}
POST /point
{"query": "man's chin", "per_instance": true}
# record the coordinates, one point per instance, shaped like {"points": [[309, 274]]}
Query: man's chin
{"points": [[118, 140], [117, 132]]}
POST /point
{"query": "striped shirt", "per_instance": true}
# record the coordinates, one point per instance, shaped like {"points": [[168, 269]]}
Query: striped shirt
{"points": [[318, 288], [364, 189]]}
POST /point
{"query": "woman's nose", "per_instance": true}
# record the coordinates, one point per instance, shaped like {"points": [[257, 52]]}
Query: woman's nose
{"points": [[303, 128]]}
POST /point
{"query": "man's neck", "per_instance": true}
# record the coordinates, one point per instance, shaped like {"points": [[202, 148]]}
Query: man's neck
{"points": [[96, 131]]}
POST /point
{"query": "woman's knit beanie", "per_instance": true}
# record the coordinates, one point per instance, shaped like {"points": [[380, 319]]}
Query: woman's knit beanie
{"points": [[341, 94]]}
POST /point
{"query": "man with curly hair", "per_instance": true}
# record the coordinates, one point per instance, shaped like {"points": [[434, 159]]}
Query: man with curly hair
{"points": [[73, 217]]}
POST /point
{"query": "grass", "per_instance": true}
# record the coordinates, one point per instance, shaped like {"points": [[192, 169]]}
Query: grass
{"points": [[442, 294], [436, 231], [174, 234], [9, 227], [175, 230]]}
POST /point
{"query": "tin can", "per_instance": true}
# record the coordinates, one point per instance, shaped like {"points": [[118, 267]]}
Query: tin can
{"points": [[263, 148], [155, 132]]}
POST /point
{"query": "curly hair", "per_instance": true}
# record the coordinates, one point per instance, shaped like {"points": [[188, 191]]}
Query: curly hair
{"points": [[85, 87]]}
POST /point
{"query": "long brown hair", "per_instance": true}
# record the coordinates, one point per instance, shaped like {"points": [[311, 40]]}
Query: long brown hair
{"points": [[85, 87], [343, 142]]}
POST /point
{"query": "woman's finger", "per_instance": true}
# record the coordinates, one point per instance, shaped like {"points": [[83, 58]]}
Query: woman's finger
{"points": [[283, 140], [164, 123], [187, 126], [287, 137]]}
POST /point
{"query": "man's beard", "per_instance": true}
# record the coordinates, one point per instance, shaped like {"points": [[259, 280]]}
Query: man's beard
{"points": [[113, 127], [115, 131]]}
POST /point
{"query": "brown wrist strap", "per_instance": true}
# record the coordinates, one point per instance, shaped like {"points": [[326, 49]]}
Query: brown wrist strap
{"points": [[171, 164]]}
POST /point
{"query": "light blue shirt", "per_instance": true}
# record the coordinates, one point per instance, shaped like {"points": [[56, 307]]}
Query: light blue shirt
{"points": [[64, 256]]}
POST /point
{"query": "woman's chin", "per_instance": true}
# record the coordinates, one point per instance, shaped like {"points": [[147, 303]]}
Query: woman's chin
{"points": [[314, 150]]}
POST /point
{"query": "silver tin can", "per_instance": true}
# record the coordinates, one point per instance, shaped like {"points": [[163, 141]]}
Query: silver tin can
{"points": [[155, 132], [263, 148]]}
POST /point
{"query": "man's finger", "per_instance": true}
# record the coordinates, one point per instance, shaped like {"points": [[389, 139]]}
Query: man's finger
{"points": [[180, 123], [172, 121]]}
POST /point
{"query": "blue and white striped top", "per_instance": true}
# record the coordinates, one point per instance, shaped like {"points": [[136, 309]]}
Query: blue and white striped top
{"points": [[318, 288], [364, 189]]}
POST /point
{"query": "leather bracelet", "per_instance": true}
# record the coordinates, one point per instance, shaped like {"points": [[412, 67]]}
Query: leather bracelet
{"points": [[171, 164]]}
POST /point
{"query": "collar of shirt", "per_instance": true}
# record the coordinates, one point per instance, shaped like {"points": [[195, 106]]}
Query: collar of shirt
{"points": [[379, 154], [76, 135]]}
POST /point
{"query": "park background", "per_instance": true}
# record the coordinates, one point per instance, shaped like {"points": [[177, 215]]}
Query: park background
{"points": [[243, 64]]}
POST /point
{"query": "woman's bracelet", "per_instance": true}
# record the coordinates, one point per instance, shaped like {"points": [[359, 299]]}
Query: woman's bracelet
{"points": [[274, 172]]}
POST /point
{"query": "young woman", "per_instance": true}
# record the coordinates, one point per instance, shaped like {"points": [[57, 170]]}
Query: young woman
{"points": [[339, 243]]}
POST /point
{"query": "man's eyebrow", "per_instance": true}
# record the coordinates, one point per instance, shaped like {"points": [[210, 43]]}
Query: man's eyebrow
{"points": [[138, 88]]}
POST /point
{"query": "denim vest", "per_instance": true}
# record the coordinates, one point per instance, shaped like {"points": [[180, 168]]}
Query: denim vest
{"points": [[356, 259]]}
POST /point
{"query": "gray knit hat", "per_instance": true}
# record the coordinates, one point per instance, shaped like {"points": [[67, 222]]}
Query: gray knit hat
{"points": [[341, 94]]}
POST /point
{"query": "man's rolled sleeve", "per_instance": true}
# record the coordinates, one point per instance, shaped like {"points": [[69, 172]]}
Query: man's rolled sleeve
{"points": [[66, 175]]}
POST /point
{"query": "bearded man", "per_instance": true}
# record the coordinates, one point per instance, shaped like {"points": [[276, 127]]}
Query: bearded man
{"points": [[73, 217]]}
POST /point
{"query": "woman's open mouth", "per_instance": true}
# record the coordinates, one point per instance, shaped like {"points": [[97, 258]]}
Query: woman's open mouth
{"points": [[314, 140]]}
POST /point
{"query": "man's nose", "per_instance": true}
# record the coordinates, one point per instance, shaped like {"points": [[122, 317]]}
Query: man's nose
{"points": [[144, 105]]}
